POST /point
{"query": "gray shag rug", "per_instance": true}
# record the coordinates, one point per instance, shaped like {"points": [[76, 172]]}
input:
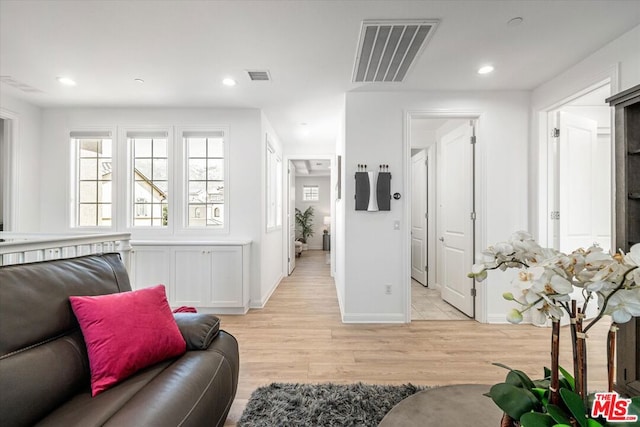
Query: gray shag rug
{"points": [[317, 405]]}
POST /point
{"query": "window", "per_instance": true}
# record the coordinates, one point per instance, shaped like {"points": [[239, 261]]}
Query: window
{"points": [[93, 155], [150, 178], [310, 193], [274, 188], [205, 176], [145, 180]]}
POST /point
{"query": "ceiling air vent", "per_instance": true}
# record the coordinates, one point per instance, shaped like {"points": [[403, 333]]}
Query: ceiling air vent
{"points": [[387, 49], [260, 76], [19, 85]]}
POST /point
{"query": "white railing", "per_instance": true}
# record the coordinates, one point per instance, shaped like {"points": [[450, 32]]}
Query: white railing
{"points": [[20, 248]]}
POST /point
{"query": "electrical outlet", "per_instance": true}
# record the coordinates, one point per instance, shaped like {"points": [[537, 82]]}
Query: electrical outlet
{"points": [[387, 289]]}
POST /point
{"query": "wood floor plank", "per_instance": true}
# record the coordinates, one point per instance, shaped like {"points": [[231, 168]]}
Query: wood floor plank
{"points": [[299, 337]]}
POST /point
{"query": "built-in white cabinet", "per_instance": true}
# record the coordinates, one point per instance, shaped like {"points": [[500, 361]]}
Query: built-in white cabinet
{"points": [[211, 276], [150, 267]]}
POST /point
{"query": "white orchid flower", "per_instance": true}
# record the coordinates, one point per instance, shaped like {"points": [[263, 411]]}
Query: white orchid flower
{"points": [[547, 277], [552, 284], [600, 286], [503, 248], [521, 236], [538, 317], [597, 258], [634, 277], [633, 257], [623, 305], [529, 275]]}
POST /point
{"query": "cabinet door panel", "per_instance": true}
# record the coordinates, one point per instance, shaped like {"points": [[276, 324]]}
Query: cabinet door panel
{"points": [[150, 267], [225, 287], [191, 275]]}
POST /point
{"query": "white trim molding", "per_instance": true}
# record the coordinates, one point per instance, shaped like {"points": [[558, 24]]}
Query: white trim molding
{"points": [[10, 168]]}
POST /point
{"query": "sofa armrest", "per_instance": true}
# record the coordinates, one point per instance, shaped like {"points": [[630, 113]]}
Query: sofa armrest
{"points": [[198, 329]]}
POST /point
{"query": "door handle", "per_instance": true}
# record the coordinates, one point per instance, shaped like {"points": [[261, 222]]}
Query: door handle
{"points": [[441, 239]]}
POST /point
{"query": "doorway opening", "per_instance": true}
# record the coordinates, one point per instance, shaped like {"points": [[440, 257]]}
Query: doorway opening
{"points": [[579, 164], [442, 215], [310, 189], [578, 208]]}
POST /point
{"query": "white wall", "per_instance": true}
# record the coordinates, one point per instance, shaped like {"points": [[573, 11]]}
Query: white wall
{"points": [[377, 255], [245, 190], [619, 59], [321, 208], [303, 150], [271, 258], [26, 162]]}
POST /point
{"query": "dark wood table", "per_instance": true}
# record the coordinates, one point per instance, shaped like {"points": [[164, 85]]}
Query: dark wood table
{"points": [[454, 405]]}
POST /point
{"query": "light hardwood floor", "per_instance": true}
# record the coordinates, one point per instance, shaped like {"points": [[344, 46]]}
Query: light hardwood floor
{"points": [[299, 337], [427, 304]]}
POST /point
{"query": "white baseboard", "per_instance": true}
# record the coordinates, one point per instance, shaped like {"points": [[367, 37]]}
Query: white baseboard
{"points": [[497, 318], [340, 303], [261, 303]]}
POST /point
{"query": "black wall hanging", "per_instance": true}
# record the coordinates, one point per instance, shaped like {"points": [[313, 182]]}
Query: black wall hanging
{"points": [[373, 189]]}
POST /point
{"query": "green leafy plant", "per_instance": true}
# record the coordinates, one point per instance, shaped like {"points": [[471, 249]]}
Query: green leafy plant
{"points": [[528, 402], [304, 220]]}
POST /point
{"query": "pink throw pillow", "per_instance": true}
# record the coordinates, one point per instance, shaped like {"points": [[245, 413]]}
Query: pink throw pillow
{"points": [[125, 332]]}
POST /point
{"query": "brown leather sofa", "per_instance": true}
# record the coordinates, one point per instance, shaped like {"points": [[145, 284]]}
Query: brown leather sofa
{"points": [[44, 369]]}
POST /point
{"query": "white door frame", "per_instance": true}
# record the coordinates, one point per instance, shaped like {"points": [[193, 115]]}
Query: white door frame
{"points": [[9, 158], [333, 179], [545, 141], [479, 191], [291, 251]]}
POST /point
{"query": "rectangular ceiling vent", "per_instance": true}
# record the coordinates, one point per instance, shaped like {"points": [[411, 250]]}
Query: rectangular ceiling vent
{"points": [[388, 49], [19, 85], [260, 76]]}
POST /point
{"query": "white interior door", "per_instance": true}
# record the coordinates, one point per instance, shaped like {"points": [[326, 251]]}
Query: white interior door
{"points": [[291, 214], [418, 217], [456, 224], [584, 192]]}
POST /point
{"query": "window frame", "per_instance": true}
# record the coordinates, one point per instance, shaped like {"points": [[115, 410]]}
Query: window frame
{"points": [[273, 186], [73, 214], [128, 182], [304, 193], [182, 166]]}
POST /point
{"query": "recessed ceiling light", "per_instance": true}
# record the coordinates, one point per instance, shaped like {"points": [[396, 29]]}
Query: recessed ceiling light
{"points": [[138, 81], [66, 81], [229, 82], [486, 69], [514, 22]]}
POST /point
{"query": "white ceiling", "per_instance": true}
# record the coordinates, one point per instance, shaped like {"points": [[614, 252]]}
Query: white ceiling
{"points": [[183, 49], [312, 167]]}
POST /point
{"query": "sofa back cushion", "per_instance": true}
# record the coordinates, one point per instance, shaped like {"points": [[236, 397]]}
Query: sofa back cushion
{"points": [[43, 359]]}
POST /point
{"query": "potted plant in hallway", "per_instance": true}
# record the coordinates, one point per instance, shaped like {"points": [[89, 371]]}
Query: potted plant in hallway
{"points": [[304, 220], [545, 282]]}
